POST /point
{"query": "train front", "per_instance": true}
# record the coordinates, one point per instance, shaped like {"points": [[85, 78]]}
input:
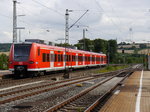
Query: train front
{"points": [[19, 59]]}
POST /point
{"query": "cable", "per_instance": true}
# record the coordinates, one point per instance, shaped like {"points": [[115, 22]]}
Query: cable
{"points": [[48, 8], [97, 3]]}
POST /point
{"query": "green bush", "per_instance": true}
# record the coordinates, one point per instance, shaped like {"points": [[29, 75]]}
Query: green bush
{"points": [[3, 62]]}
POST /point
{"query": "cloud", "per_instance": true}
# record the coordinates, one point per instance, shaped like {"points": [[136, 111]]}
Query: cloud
{"points": [[107, 19]]}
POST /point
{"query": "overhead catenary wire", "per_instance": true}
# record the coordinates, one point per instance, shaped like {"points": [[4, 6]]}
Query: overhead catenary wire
{"points": [[48, 7], [98, 4]]}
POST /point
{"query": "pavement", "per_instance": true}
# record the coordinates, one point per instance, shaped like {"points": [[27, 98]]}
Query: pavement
{"points": [[133, 96]]}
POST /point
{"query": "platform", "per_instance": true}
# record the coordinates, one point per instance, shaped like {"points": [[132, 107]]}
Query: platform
{"points": [[5, 74], [134, 95]]}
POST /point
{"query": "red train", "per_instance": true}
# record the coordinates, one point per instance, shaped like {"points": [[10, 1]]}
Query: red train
{"points": [[37, 58]]}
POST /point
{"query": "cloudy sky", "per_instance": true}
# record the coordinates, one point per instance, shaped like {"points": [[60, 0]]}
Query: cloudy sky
{"points": [[124, 20]]}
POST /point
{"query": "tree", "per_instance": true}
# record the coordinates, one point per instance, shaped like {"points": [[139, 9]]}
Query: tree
{"points": [[112, 49], [88, 44], [142, 46], [100, 45]]}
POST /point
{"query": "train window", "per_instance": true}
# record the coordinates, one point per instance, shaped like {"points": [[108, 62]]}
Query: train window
{"points": [[80, 58], [48, 57], [102, 59], [56, 58], [38, 51], [73, 58], [88, 58], [93, 58], [21, 52], [59, 57], [44, 57], [68, 58]]}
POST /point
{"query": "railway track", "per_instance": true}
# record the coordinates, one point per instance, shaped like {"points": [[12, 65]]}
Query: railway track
{"points": [[53, 87], [82, 100], [5, 82]]}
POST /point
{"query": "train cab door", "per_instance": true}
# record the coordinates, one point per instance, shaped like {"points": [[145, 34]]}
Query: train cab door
{"points": [[52, 59]]}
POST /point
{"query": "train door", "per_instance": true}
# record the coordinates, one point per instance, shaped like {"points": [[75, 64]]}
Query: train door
{"points": [[76, 59], [68, 62], [80, 59], [73, 59], [52, 59], [86, 59]]}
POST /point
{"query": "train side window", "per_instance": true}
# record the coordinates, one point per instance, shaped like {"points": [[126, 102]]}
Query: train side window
{"points": [[56, 58], [59, 57], [38, 51], [69, 57], [78, 58], [48, 58], [73, 58], [102, 59], [88, 58], [44, 57]]}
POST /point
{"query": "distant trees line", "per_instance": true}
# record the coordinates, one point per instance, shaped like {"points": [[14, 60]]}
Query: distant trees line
{"points": [[5, 47]]}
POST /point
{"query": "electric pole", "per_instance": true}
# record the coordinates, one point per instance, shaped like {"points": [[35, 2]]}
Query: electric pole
{"points": [[67, 27], [14, 22], [84, 39]]}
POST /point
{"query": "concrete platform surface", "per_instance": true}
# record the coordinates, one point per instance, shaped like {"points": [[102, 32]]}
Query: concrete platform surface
{"points": [[134, 96], [4, 73]]}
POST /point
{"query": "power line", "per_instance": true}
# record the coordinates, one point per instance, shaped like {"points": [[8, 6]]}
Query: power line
{"points": [[97, 3], [48, 8]]}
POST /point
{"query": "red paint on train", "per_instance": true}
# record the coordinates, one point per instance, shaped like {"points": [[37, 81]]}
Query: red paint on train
{"points": [[39, 57]]}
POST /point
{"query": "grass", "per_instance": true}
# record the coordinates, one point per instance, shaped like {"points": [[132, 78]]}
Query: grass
{"points": [[111, 68]]}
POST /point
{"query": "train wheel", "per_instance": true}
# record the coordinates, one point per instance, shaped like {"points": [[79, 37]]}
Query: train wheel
{"points": [[42, 73], [21, 75]]}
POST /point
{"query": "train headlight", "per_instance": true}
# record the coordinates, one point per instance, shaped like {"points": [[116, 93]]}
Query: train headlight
{"points": [[10, 62]]}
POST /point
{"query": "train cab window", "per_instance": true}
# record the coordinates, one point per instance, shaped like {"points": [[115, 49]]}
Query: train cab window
{"points": [[22, 52]]}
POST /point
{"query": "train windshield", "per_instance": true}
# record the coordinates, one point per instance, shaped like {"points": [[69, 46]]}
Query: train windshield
{"points": [[21, 52]]}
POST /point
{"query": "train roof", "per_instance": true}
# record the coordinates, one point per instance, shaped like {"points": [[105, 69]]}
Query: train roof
{"points": [[43, 46]]}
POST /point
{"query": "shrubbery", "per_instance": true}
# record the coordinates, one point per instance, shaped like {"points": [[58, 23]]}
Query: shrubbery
{"points": [[3, 62]]}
